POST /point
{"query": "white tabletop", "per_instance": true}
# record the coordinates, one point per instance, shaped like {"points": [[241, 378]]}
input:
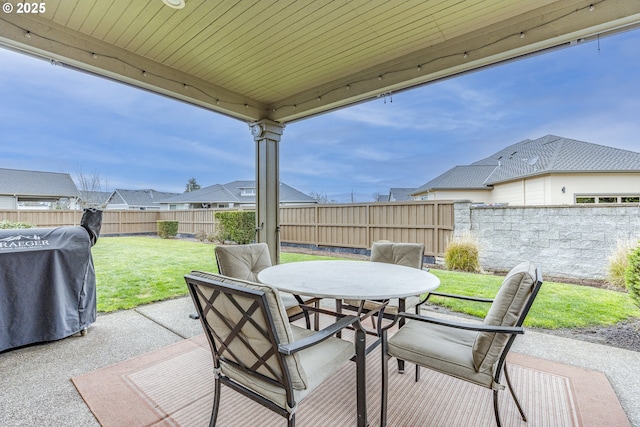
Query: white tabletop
{"points": [[349, 279]]}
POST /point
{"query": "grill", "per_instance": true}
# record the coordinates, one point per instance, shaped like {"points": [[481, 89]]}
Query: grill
{"points": [[47, 282]]}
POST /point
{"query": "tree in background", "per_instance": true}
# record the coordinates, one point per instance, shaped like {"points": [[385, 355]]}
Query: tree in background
{"points": [[377, 196], [92, 188], [192, 185], [321, 198]]}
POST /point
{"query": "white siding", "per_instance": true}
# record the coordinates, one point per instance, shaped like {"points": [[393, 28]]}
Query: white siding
{"points": [[548, 189], [595, 184], [115, 206], [534, 191], [510, 192], [476, 196], [7, 202]]}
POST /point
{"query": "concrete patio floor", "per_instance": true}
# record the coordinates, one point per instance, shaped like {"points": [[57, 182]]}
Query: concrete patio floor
{"points": [[35, 386]]}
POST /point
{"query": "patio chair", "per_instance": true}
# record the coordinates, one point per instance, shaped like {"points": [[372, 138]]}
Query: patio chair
{"points": [[471, 352], [256, 351], [407, 254], [244, 262]]}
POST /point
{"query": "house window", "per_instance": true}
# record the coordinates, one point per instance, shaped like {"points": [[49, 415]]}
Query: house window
{"points": [[248, 192], [585, 199], [607, 198]]}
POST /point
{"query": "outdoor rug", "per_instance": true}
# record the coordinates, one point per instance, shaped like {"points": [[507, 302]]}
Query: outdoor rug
{"points": [[173, 386]]}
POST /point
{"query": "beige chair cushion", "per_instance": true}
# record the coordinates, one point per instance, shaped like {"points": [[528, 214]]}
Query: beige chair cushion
{"points": [[243, 262], [407, 254], [441, 348], [505, 311], [307, 368], [319, 363], [280, 320]]}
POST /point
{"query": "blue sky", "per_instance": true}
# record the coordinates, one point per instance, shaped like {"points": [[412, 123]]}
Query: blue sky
{"points": [[59, 120]]}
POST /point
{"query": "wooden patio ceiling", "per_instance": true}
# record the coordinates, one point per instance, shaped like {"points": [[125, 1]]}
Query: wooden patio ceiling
{"points": [[285, 60]]}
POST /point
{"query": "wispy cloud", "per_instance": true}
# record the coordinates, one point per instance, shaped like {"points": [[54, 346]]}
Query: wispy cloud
{"points": [[448, 106]]}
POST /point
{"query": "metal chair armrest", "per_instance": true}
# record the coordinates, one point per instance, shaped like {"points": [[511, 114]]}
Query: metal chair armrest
{"points": [[463, 297], [467, 326], [317, 337]]}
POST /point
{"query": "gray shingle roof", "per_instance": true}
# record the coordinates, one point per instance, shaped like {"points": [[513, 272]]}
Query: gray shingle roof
{"points": [[231, 192], [148, 197], [400, 194], [560, 155], [213, 193], [459, 177], [36, 183], [549, 154]]}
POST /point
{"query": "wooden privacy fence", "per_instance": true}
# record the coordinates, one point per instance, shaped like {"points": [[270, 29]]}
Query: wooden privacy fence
{"points": [[354, 226], [359, 225], [118, 222]]}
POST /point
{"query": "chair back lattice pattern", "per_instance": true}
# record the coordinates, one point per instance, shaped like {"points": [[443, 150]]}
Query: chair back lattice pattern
{"points": [[240, 329]]}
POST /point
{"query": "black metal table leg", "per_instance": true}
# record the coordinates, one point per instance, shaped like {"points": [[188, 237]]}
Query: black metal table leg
{"points": [[361, 376], [401, 309]]}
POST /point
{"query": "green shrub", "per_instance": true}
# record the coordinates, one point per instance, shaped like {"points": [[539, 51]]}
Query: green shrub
{"points": [[462, 254], [632, 275], [5, 225], [618, 262], [167, 229], [236, 226]]}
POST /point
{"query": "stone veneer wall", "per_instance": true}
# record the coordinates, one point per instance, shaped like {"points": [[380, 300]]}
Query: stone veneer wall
{"points": [[565, 241]]}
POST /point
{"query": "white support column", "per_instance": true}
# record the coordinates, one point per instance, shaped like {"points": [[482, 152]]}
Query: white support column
{"points": [[267, 134]]}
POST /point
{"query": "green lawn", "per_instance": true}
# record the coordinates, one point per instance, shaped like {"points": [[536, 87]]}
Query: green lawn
{"points": [[558, 305], [138, 270], [131, 271]]}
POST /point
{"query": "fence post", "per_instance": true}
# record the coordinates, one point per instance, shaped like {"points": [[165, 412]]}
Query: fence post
{"points": [[368, 227], [316, 232]]}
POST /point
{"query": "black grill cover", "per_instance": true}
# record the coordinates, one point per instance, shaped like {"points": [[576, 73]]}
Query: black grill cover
{"points": [[47, 284]]}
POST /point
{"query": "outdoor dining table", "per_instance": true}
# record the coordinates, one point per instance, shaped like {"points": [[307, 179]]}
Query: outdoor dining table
{"points": [[358, 280]]}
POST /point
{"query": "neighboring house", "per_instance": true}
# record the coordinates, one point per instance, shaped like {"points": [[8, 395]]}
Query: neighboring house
{"points": [[396, 195], [139, 200], [551, 170], [21, 189], [231, 195]]}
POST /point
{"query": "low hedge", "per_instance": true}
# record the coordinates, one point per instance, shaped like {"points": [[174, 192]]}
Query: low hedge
{"points": [[167, 229], [632, 275], [7, 225], [236, 226]]}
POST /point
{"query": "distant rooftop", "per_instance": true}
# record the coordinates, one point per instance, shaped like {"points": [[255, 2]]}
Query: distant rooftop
{"points": [[549, 154], [237, 192], [36, 183], [148, 197]]}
